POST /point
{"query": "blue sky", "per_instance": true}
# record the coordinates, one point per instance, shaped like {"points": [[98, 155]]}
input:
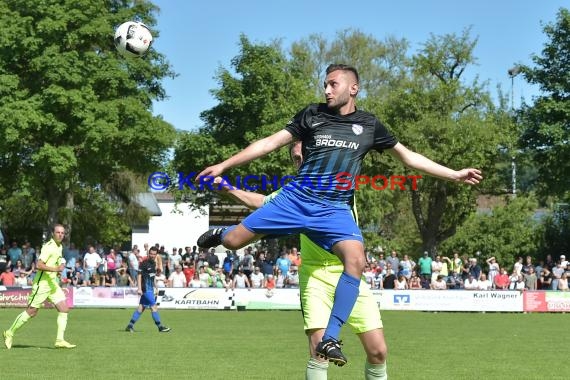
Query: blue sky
{"points": [[198, 37]]}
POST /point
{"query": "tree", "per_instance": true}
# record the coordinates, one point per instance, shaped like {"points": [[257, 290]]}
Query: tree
{"points": [[254, 103], [75, 115], [506, 232], [547, 121], [421, 98], [453, 123], [554, 231]]}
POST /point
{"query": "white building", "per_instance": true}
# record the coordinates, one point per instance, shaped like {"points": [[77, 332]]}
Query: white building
{"points": [[170, 224]]}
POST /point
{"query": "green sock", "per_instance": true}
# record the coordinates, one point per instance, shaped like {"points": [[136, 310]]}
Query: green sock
{"points": [[375, 371], [61, 325], [316, 370], [22, 318]]}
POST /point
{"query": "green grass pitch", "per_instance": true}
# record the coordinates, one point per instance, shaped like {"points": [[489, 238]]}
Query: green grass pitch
{"points": [[211, 345]]}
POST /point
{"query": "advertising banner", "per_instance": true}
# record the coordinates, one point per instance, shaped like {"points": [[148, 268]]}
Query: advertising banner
{"points": [[449, 300], [18, 297], [262, 299], [85, 296], [196, 298], [548, 301], [288, 299]]}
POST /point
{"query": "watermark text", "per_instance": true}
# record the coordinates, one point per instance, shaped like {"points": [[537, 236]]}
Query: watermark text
{"points": [[340, 182]]}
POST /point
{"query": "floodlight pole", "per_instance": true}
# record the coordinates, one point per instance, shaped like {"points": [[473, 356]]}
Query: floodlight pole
{"points": [[513, 72]]}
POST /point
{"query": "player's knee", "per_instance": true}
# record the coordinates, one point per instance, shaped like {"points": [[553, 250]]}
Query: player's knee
{"points": [[232, 242], [355, 264], [63, 309], [377, 353]]}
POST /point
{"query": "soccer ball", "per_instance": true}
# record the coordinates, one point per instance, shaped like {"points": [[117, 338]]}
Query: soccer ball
{"points": [[133, 39]]}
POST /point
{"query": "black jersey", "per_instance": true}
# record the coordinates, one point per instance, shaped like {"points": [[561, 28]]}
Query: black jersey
{"points": [[147, 269], [333, 149]]}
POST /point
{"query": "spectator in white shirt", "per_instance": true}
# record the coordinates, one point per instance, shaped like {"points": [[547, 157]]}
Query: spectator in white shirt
{"points": [[439, 283], [91, 262], [257, 278], [160, 279], [177, 279], [484, 283], [471, 283]]}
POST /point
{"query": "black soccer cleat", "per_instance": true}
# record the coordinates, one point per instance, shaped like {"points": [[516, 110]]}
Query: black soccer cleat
{"points": [[329, 349], [130, 329], [164, 329], [210, 238]]}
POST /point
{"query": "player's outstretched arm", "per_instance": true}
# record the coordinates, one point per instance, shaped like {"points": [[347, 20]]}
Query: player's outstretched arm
{"points": [[249, 199], [255, 150], [419, 162]]}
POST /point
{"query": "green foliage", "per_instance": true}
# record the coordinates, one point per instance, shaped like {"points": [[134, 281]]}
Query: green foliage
{"points": [[73, 112], [554, 232], [454, 123], [547, 121], [422, 98], [506, 232], [256, 102], [100, 219]]}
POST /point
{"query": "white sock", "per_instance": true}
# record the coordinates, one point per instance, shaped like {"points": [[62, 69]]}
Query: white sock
{"points": [[375, 371], [316, 370]]}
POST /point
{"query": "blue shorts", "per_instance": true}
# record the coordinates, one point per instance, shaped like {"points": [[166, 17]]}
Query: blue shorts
{"points": [[148, 299], [292, 212]]}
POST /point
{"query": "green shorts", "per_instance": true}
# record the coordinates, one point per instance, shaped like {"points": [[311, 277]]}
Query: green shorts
{"points": [[318, 284], [43, 291]]}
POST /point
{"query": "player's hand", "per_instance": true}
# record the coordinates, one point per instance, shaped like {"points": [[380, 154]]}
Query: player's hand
{"points": [[212, 171], [469, 176], [225, 187], [139, 292]]}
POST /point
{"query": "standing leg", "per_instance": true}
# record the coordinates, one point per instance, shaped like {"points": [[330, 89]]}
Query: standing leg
{"points": [[317, 369], [376, 351], [135, 317], [63, 311], [156, 318]]}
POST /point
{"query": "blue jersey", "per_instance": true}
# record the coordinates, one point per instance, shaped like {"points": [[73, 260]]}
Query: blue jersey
{"points": [[333, 149], [147, 270]]}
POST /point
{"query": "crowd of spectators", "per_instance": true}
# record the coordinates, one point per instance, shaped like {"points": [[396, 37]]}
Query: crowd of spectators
{"points": [[188, 267], [258, 268], [464, 272]]}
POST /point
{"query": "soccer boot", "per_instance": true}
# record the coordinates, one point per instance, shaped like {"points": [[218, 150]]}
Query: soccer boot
{"points": [[210, 238], [130, 329], [329, 349], [63, 344], [7, 339], [164, 329]]}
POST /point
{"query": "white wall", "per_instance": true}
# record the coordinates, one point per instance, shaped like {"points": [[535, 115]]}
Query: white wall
{"points": [[177, 227]]}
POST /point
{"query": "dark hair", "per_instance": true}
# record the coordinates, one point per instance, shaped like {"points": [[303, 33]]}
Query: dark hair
{"points": [[153, 248], [343, 67]]}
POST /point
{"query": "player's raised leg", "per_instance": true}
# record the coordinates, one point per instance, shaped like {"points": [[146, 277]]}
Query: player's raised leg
{"points": [[351, 253], [233, 237]]}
